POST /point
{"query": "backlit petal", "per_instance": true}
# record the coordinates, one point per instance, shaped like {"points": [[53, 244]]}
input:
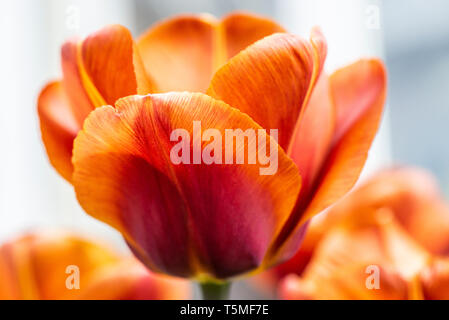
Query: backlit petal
{"points": [[112, 64], [271, 81], [59, 127], [103, 68], [220, 217], [347, 283], [434, 280], [182, 53], [358, 92]]}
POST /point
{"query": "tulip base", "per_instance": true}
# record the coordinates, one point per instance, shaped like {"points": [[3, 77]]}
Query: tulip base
{"points": [[215, 291]]}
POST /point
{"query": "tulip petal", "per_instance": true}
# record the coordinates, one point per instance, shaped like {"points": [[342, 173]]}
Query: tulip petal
{"points": [[73, 84], [243, 29], [44, 265], [136, 283], [434, 280], [97, 71], [10, 286], [103, 68], [271, 81], [418, 205], [412, 196], [347, 283], [194, 46], [58, 127], [341, 265], [220, 217], [37, 264], [178, 53], [358, 92]]}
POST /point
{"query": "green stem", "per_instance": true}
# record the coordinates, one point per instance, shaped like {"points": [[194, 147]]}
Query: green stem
{"points": [[215, 291]]}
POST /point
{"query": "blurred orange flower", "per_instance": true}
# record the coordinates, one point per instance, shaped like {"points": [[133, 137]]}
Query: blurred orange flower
{"points": [[40, 266], [211, 221], [396, 222]]}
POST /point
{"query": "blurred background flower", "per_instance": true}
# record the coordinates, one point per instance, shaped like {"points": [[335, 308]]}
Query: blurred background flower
{"points": [[269, 215], [60, 265], [396, 223]]}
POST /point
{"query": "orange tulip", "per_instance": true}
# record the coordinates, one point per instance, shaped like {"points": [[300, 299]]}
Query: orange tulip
{"points": [[397, 222], [349, 283], [217, 221], [176, 55], [46, 266]]}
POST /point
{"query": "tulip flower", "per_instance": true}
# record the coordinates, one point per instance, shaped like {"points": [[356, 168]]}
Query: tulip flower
{"points": [[410, 193], [59, 265], [214, 221], [396, 224], [180, 54]]}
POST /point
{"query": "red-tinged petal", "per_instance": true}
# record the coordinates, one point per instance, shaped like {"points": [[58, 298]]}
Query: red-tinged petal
{"points": [[243, 29], [220, 217], [59, 127], [418, 206], [357, 89], [178, 53], [314, 135], [270, 81]]}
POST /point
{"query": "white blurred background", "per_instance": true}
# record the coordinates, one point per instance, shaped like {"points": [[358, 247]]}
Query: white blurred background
{"points": [[411, 35]]}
